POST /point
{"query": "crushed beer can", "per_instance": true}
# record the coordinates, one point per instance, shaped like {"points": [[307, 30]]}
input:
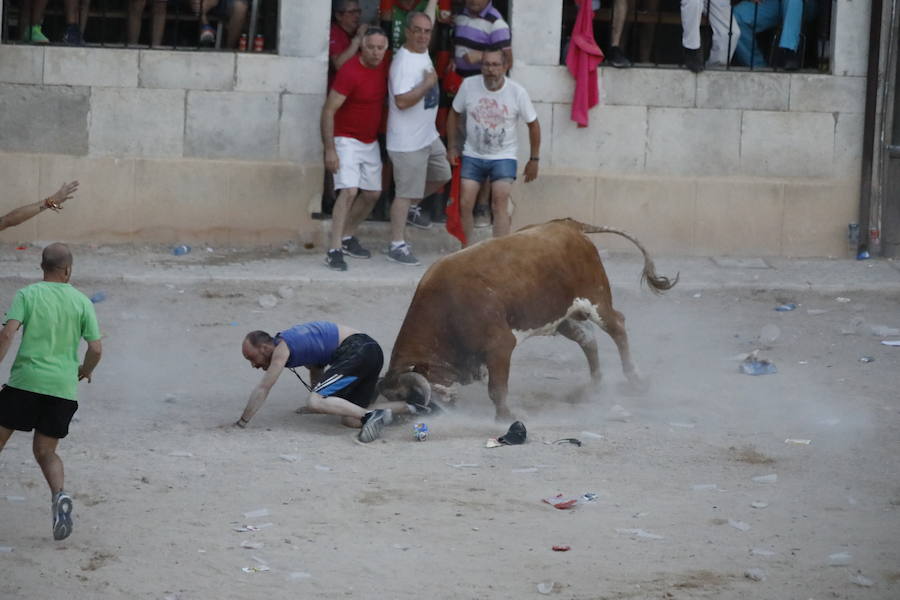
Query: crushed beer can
{"points": [[420, 431]]}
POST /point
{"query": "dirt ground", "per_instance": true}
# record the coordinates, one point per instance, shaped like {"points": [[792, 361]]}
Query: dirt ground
{"points": [[161, 483]]}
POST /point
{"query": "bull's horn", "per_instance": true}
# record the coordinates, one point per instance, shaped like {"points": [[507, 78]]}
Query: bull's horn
{"points": [[418, 390]]}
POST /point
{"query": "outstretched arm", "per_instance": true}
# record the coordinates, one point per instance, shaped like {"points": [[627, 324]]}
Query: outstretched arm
{"points": [[54, 202], [261, 391]]}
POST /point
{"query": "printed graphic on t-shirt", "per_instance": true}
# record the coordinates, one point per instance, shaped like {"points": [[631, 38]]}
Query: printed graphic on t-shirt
{"points": [[432, 96], [490, 119]]}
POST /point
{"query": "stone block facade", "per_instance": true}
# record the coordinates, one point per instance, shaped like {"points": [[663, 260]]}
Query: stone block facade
{"points": [[223, 146]]}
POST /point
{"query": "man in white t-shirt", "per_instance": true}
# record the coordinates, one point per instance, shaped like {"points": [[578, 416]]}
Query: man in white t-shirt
{"points": [[493, 105], [416, 151]]}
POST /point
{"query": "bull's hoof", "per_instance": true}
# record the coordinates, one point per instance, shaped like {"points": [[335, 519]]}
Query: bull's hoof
{"points": [[634, 387]]}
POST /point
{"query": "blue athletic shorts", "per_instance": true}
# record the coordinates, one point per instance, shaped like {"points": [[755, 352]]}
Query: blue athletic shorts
{"points": [[480, 169], [353, 371]]}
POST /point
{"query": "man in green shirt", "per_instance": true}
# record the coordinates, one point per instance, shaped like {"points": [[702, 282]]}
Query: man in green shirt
{"points": [[42, 390]]}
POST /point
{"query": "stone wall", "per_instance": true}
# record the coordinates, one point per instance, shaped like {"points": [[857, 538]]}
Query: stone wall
{"points": [[225, 147]]}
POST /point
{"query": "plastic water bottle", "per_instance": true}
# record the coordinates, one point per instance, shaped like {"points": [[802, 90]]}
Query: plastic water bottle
{"points": [[180, 250], [421, 432]]}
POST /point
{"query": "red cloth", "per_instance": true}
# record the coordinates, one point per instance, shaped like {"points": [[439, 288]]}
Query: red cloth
{"points": [[360, 114], [338, 41], [582, 59], [454, 222]]}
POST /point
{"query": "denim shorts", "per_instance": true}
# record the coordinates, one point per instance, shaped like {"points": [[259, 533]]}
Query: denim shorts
{"points": [[481, 169]]}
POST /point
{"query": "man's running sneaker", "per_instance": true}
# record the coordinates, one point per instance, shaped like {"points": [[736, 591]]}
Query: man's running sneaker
{"points": [[62, 516], [373, 423], [352, 247], [403, 255], [335, 260]]}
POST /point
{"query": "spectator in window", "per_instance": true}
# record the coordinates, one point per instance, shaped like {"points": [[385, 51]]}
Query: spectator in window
{"points": [[235, 11], [394, 13], [35, 10], [417, 153], [493, 105], [616, 56], [54, 203], [345, 37], [726, 33], [477, 28], [755, 16], [350, 120], [157, 21]]}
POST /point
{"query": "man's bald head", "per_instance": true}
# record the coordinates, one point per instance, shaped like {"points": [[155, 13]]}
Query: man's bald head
{"points": [[56, 258]]}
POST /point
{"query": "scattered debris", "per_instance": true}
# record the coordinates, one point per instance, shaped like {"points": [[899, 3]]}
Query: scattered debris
{"points": [[786, 307], [591, 435], [862, 580], [839, 559], [588, 497], [289, 457], [758, 504], [5, 549], [640, 533], [252, 528], [842, 300], [515, 435], [464, 465], [15, 498], [267, 301], [739, 525], [894, 343], [260, 512], [700, 487], [420, 432], [545, 587], [761, 552], [492, 443], [755, 574], [573, 441], [322, 468], [251, 545], [560, 502], [181, 250], [866, 359], [255, 569], [757, 366], [884, 330], [771, 478], [561, 548], [797, 442], [98, 297], [181, 454]]}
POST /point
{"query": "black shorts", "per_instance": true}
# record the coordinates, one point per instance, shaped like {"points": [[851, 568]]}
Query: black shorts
{"points": [[353, 371], [24, 410]]}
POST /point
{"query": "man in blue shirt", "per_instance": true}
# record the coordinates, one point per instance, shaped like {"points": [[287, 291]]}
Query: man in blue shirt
{"points": [[345, 388]]}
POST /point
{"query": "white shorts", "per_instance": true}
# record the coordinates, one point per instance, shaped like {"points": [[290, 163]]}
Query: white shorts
{"points": [[360, 165]]}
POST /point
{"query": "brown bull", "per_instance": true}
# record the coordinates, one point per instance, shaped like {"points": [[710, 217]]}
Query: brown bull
{"points": [[472, 307]]}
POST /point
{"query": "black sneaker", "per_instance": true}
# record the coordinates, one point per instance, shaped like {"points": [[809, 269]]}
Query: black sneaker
{"points": [[373, 423], [617, 58], [482, 216], [351, 247], [62, 516], [72, 36], [335, 260], [787, 60], [417, 218], [403, 255], [693, 59]]}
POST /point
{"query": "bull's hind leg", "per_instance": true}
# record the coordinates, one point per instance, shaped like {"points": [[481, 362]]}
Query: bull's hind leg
{"points": [[497, 357], [613, 323], [582, 334]]}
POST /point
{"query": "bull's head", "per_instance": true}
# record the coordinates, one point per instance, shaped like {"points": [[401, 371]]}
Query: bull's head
{"points": [[406, 386]]}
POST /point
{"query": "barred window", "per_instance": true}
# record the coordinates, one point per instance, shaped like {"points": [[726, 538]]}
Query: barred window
{"points": [[780, 35], [250, 25]]}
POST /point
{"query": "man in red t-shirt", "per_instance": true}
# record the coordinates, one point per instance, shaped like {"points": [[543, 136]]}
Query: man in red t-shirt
{"points": [[345, 37], [350, 120]]}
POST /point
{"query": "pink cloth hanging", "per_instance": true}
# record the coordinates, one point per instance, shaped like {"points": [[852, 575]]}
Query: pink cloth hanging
{"points": [[582, 59]]}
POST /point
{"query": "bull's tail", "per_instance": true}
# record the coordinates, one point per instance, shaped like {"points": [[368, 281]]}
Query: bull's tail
{"points": [[657, 283]]}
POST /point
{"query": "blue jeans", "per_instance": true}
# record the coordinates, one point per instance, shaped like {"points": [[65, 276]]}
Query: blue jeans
{"points": [[768, 14], [481, 169]]}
